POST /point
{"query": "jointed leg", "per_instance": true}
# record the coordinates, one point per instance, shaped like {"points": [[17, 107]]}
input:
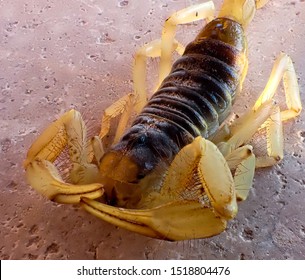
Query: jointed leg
{"points": [[242, 162], [283, 69], [152, 50], [265, 114], [187, 15], [137, 100], [241, 131], [123, 108]]}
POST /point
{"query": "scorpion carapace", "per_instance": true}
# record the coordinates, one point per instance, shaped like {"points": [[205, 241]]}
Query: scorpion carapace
{"points": [[176, 173]]}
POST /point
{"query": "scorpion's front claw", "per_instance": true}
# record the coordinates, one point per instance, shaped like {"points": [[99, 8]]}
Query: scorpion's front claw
{"points": [[43, 176], [192, 203], [178, 220]]}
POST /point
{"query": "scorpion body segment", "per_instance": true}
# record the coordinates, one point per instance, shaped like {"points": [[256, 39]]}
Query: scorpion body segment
{"points": [[177, 172]]}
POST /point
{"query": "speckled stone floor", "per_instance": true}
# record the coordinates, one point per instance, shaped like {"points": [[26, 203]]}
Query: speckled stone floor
{"points": [[56, 55]]}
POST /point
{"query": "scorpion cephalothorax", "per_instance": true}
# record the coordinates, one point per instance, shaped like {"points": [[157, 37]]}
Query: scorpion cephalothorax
{"points": [[176, 172]]}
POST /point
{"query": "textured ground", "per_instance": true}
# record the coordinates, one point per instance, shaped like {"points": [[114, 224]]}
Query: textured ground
{"points": [[57, 55]]}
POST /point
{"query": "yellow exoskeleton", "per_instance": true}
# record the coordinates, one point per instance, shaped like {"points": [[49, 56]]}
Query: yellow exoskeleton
{"points": [[177, 172]]}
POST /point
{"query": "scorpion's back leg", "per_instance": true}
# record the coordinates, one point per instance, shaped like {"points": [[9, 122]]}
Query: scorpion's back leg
{"points": [[137, 100], [282, 69], [193, 201], [164, 48], [266, 114], [69, 130], [149, 50], [187, 15]]}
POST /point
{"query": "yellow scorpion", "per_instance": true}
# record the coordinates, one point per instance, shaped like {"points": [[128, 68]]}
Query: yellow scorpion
{"points": [[179, 170]]}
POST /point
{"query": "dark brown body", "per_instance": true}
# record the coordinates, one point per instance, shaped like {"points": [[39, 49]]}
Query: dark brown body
{"points": [[193, 100]]}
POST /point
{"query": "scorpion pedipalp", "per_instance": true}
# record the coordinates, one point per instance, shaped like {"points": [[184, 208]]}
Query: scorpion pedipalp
{"points": [[192, 198]]}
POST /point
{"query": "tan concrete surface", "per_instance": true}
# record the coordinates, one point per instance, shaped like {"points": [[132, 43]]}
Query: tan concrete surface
{"points": [[57, 55]]}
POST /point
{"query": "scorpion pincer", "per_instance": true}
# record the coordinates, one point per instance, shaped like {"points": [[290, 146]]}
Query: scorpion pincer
{"points": [[177, 172]]}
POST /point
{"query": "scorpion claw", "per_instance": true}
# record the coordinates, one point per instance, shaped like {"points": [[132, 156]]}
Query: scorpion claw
{"points": [[177, 220], [44, 178]]}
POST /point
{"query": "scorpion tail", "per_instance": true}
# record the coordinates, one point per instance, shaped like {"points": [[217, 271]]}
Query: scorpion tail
{"points": [[241, 11]]}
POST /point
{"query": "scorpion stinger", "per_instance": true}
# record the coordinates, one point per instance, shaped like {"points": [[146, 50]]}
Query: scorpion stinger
{"points": [[175, 173]]}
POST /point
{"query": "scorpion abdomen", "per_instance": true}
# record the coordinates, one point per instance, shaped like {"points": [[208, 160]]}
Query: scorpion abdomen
{"points": [[198, 93], [192, 100]]}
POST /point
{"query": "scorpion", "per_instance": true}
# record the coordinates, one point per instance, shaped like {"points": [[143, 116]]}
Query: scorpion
{"points": [[178, 171]]}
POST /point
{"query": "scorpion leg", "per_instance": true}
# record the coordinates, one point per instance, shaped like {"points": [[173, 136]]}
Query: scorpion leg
{"points": [[69, 130], [265, 114], [243, 129], [187, 15], [192, 203], [275, 141], [137, 100], [152, 50], [242, 162], [123, 108], [282, 69]]}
